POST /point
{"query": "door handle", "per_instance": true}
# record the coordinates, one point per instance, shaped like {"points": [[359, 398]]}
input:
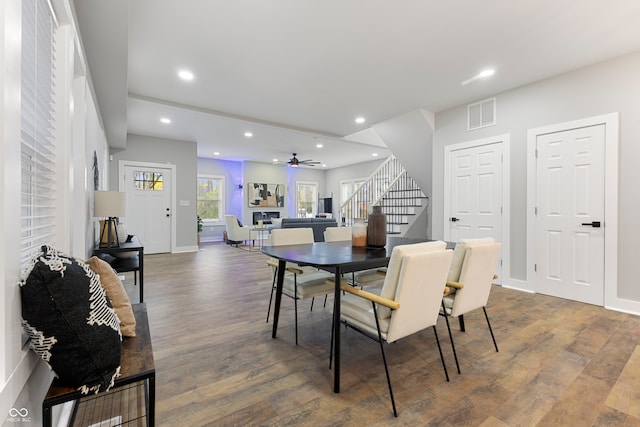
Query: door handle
{"points": [[454, 219], [594, 224]]}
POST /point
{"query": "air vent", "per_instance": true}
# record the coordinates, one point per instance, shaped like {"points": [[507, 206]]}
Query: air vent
{"points": [[481, 114]]}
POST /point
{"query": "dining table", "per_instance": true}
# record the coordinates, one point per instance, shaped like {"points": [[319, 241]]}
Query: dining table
{"points": [[337, 258]]}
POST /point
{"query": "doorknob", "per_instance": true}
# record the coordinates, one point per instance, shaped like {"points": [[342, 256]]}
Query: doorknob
{"points": [[594, 224], [454, 219]]}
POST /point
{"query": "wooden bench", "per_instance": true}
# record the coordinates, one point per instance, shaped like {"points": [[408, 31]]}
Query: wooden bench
{"points": [[136, 366]]}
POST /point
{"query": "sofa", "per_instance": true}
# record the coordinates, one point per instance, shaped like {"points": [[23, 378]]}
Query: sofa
{"points": [[318, 225]]}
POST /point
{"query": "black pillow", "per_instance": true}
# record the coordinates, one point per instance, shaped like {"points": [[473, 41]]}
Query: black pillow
{"points": [[239, 223], [70, 321]]}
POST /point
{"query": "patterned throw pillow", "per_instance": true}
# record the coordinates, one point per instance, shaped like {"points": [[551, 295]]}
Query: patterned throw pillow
{"points": [[70, 321]]}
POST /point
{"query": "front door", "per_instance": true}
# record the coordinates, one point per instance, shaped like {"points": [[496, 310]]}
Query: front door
{"points": [[570, 214], [148, 208]]}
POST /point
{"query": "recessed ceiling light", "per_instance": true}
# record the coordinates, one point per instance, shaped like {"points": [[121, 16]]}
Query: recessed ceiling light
{"points": [[374, 154], [486, 73], [324, 166], [319, 145], [360, 120], [481, 75], [216, 153], [185, 75], [275, 160], [248, 134], [165, 120]]}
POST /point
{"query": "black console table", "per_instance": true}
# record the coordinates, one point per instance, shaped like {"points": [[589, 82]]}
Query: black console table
{"points": [[133, 263]]}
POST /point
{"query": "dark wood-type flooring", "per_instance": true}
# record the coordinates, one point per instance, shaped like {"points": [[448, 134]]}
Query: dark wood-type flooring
{"points": [[561, 363]]}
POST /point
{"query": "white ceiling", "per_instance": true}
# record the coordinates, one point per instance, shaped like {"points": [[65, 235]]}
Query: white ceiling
{"points": [[297, 73]]}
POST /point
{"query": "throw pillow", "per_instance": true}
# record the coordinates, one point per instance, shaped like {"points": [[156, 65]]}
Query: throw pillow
{"points": [[116, 293], [70, 322], [239, 223], [276, 222]]}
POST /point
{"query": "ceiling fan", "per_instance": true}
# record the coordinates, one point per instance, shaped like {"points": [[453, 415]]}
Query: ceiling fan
{"points": [[294, 162]]}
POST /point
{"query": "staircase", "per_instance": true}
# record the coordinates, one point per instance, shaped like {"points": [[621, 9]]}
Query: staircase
{"points": [[394, 191]]}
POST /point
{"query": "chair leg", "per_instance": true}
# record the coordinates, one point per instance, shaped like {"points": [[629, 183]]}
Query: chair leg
{"points": [[490, 330], [453, 347], [312, 300], [384, 360], [461, 320], [444, 366]]}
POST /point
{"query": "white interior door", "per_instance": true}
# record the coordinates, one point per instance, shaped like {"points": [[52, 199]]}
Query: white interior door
{"points": [[149, 213], [570, 214], [475, 193]]}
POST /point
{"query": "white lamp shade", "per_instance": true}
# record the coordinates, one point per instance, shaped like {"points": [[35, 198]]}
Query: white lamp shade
{"points": [[109, 204]]}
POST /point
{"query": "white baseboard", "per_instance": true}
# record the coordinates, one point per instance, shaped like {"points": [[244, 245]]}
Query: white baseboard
{"points": [[183, 249]]}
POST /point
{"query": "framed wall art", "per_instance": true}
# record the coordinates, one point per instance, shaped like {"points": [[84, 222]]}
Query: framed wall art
{"points": [[265, 195]]}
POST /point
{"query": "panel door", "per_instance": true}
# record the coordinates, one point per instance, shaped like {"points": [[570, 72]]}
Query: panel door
{"points": [[570, 210], [476, 193], [149, 206]]}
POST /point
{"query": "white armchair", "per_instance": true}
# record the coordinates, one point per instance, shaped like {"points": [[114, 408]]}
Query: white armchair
{"points": [[469, 282], [299, 282], [409, 300], [237, 234]]}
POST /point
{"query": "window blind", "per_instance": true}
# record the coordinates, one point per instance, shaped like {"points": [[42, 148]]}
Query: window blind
{"points": [[37, 126]]}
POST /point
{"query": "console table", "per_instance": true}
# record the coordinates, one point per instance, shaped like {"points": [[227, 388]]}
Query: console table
{"points": [[123, 265], [136, 366]]}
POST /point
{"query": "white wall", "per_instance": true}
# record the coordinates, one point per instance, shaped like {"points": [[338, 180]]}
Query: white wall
{"points": [[600, 89], [182, 154]]}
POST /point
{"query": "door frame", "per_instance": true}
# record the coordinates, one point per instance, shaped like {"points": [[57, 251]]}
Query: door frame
{"points": [[611, 164], [122, 164], [505, 141]]}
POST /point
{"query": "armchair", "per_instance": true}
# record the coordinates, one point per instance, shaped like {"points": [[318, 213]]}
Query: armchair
{"points": [[409, 300], [469, 282], [359, 278], [301, 282], [236, 233]]}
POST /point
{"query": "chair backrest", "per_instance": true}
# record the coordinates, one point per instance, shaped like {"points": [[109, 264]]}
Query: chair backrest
{"points": [[459, 253], [476, 274], [337, 234], [291, 236], [391, 279], [421, 280]]}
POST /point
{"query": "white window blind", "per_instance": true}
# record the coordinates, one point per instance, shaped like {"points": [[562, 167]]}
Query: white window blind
{"points": [[37, 125]]}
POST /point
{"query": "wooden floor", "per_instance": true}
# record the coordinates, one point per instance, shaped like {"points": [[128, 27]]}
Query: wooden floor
{"points": [[560, 362]]}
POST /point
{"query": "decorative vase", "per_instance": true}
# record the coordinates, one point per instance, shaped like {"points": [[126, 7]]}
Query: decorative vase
{"points": [[377, 228], [359, 233]]}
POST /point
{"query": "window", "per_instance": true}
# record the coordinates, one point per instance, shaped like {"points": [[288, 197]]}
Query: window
{"points": [[347, 189], [210, 198], [150, 181], [307, 200], [36, 128]]}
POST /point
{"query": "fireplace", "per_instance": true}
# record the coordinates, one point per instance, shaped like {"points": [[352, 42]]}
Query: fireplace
{"points": [[265, 216]]}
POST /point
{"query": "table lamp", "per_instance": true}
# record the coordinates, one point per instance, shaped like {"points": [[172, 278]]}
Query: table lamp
{"points": [[109, 204]]}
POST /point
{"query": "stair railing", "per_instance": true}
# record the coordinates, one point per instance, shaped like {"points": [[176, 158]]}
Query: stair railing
{"points": [[371, 191]]}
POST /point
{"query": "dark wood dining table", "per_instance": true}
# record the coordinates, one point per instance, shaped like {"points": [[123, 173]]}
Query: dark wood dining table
{"points": [[336, 258]]}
